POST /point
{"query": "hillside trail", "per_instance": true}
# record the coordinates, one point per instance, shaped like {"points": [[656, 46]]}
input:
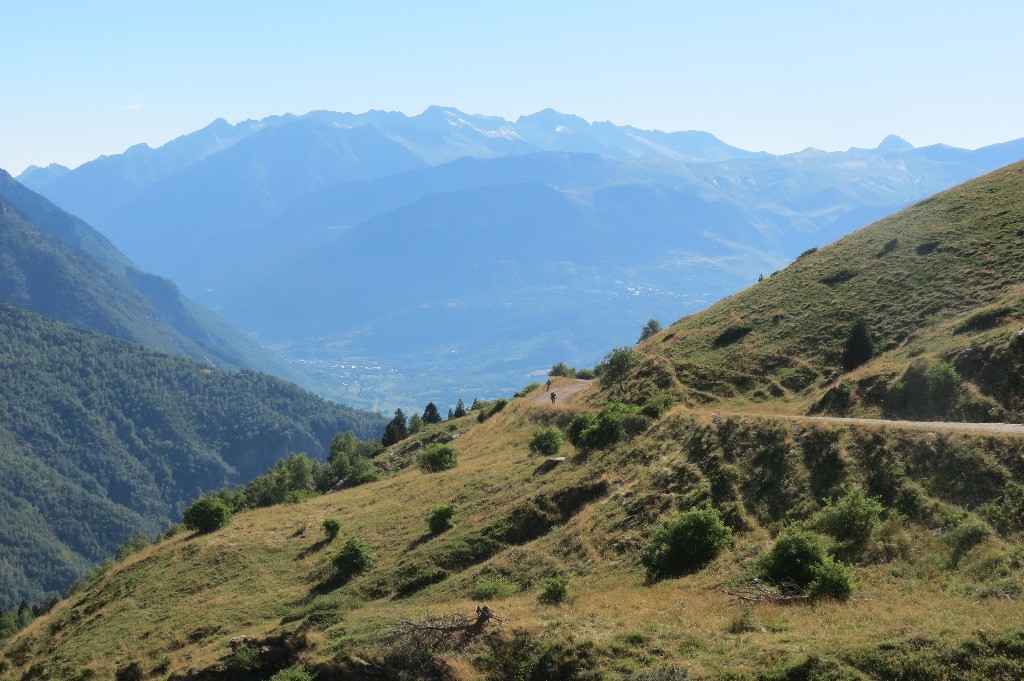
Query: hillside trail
{"points": [[950, 426], [566, 390]]}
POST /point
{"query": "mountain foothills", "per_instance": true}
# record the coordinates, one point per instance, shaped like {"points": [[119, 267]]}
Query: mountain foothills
{"points": [[328, 235], [101, 440], [654, 524]]}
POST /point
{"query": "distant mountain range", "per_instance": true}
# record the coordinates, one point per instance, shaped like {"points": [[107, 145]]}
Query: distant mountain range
{"points": [[450, 255]]}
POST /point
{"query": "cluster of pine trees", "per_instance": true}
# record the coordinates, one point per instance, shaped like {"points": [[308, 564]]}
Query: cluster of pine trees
{"points": [[400, 427]]}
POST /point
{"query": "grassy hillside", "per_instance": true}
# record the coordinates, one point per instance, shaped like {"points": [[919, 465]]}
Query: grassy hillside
{"points": [[941, 563], [938, 282], [101, 440]]}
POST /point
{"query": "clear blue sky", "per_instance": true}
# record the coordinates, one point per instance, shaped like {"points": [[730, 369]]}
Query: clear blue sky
{"points": [[80, 79]]}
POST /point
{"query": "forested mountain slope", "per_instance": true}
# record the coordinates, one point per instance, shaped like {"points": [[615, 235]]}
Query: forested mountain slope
{"points": [[58, 266], [101, 440]]}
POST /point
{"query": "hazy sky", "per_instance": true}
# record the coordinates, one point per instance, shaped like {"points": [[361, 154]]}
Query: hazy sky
{"points": [[80, 79]]}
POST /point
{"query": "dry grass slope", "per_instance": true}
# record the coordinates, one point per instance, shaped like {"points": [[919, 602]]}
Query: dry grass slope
{"points": [[933, 281], [175, 606]]}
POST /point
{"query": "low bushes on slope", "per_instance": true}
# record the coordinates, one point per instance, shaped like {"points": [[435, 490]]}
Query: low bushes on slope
{"points": [[686, 542]]}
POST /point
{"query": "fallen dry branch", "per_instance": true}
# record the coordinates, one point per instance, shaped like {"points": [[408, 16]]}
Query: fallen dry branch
{"points": [[763, 591], [446, 630]]}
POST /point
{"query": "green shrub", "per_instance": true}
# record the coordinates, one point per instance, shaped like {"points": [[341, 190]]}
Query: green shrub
{"points": [[405, 663], [794, 557], [925, 389], [350, 462], [331, 528], [943, 381], [244, 662], [294, 496], [580, 424], [562, 370], [554, 590], [297, 673], [437, 457], [850, 520], [686, 542], [615, 422], [206, 514], [831, 579], [616, 365], [816, 668], [491, 588], [527, 389], [586, 374], [657, 404], [632, 425], [888, 247], [353, 559], [439, 518], [546, 441]]}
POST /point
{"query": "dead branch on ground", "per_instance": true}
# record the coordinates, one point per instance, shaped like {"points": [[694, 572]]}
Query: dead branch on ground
{"points": [[764, 591]]}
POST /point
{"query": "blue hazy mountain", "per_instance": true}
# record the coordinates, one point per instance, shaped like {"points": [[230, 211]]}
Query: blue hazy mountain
{"points": [[95, 188], [373, 246], [56, 265]]}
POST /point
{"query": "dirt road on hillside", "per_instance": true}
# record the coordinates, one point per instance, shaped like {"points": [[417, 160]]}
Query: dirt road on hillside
{"points": [[566, 390], [949, 426]]}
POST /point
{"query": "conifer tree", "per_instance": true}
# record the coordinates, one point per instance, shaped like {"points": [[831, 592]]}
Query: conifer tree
{"points": [[652, 327], [431, 414], [460, 410], [396, 430]]}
